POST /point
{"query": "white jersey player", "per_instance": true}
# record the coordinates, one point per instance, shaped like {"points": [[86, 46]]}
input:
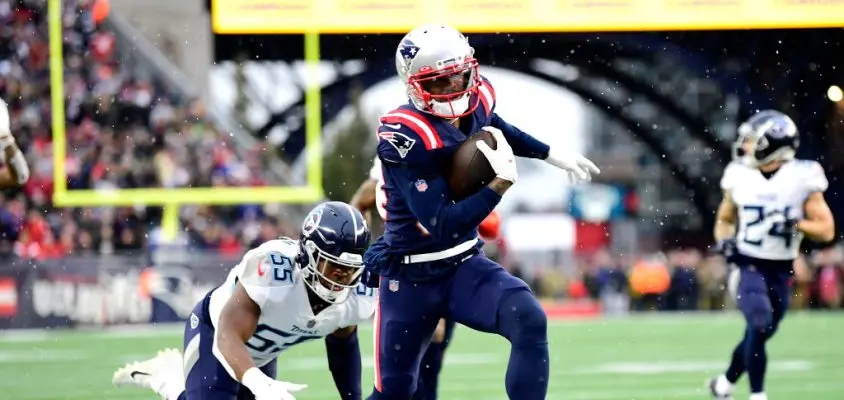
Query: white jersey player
{"points": [[771, 201], [283, 293]]}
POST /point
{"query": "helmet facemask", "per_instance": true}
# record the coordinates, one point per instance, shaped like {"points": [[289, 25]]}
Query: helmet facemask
{"points": [[329, 277], [446, 92], [753, 148]]}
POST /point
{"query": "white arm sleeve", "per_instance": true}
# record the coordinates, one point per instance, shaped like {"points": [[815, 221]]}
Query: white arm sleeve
{"points": [[255, 275]]}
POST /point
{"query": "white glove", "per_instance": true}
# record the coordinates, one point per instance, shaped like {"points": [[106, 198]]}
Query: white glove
{"points": [[265, 388], [501, 159], [579, 167]]}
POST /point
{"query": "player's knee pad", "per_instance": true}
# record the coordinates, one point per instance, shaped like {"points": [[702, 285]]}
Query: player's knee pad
{"points": [[522, 320], [757, 310]]}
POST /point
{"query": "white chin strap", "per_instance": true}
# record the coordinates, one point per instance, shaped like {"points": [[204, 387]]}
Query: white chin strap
{"points": [[452, 108], [330, 296]]}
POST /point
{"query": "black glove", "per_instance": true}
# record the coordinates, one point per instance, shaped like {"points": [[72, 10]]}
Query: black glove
{"points": [[370, 278], [786, 228], [727, 248]]}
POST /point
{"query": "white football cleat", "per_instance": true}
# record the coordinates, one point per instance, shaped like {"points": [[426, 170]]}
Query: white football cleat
{"points": [[158, 374], [720, 388]]}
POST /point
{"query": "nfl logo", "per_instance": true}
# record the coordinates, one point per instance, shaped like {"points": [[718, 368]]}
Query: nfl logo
{"points": [[421, 185], [311, 324], [394, 285]]}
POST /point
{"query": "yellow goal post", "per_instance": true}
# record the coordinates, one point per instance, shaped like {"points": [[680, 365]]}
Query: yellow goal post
{"points": [[172, 199]]}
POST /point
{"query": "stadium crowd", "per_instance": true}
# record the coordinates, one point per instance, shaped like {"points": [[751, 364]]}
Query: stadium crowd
{"points": [[682, 280], [123, 130]]}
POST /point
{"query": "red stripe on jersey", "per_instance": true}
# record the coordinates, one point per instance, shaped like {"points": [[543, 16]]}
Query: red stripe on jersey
{"points": [[377, 345], [418, 124], [491, 90], [487, 97]]}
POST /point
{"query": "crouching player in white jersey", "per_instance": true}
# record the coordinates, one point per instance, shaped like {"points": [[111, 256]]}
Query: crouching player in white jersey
{"points": [[281, 294], [771, 201]]}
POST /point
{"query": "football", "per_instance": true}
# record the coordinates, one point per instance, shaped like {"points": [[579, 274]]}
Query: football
{"points": [[470, 170]]}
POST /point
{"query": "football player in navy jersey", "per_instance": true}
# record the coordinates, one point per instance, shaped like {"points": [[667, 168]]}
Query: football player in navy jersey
{"points": [[771, 201], [429, 258], [369, 195]]}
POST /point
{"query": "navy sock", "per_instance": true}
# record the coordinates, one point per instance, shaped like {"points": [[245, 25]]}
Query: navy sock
{"points": [[345, 364], [737, 366], [182, 396], [755, 358], [523, 322], [429, 371]]}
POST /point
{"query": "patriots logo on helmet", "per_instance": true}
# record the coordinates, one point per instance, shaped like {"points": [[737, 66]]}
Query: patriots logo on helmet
{"points": [[408, 51], [400, 141]]}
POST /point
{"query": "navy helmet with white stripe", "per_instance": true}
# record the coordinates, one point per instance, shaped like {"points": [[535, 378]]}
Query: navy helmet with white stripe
{"points": [[331, 245]]}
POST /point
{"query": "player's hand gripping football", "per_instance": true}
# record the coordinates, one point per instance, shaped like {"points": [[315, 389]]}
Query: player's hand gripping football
{"points": [[579, 167], [266, 388], [501, 159]]}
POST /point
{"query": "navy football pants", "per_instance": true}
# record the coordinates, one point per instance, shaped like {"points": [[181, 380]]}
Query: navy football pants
{"points": [[763, 295], [206, 377], [408, 312]]}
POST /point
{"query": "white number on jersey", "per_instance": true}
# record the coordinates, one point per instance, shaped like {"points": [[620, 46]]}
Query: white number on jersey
{"points": [[763, 203], [271, 279]]}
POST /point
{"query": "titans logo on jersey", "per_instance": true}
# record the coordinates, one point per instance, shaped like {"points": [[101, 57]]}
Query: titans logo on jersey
{"points": [[275, 284], [763, 203]]}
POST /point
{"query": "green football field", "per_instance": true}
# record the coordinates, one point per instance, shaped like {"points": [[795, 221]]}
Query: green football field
{"points": [[647, 357]]}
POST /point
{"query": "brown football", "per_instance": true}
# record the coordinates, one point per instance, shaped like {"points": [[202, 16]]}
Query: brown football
{"points": [[470, 170]]}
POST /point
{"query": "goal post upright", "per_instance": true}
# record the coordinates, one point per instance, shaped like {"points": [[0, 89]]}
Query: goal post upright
{"points": [[171, 199]]}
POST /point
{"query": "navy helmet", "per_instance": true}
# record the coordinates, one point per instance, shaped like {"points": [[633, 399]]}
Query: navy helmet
{"points": [[331, 245], [765, 137]]}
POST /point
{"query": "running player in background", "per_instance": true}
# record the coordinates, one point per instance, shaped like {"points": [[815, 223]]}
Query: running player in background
{"points": [[771, 201]]}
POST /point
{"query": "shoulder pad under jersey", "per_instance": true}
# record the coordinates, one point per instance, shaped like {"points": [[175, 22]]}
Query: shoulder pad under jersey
{"points": [[732, 176], [406, 136], [487, 95], [270, 265], [811, 175], [365, 302]]}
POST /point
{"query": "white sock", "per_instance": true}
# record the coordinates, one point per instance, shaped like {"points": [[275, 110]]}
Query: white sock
{"points": [[758, 396], [724, 386], [169, 388]]}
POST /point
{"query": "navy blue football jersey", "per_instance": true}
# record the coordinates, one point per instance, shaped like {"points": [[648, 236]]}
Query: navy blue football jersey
{"points": [[415, 148]]}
